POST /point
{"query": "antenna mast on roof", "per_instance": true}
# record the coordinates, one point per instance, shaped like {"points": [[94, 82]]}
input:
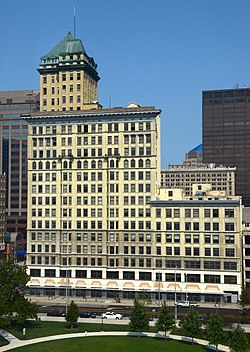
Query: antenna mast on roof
{"points": [[74, 22]]}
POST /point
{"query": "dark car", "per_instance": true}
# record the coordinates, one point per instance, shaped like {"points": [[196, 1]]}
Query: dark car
{"points": [[244, 311], [56, 313], [87, 315]]}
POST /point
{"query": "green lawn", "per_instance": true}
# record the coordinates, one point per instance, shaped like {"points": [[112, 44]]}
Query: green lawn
{"points": [[110, 344], [3, 342], [48, 328]]}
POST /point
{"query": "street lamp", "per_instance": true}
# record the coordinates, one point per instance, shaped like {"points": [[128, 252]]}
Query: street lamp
{"points": [[67, 286], [159, 289], [175, 298], [186, 286], [102, 318]]}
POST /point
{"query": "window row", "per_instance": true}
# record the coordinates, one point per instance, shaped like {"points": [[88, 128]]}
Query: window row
{"points": [[140, 188], [197, 251], [92, 128], [133, 151], [71, 88], [195, 226], [196, 238], [136, 175], [195, 213], [44, 142], [125, 275], [137, 139]]}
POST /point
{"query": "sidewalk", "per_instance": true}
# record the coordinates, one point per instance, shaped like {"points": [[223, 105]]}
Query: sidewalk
{"points": [[14, 343], [103, 302]]}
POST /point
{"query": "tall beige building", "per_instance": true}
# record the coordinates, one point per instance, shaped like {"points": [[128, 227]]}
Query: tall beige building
{"points": [[91, 176], [100, 225]]}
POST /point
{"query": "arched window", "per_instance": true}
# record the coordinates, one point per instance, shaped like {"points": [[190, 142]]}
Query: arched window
{"points": [[148, 163], [40, 165], [140, 163], [132, 163], [54, 165], [85, 164], [93, 164], [126, 164], [34, 165], [99, 164], [65, 164], [117, 162], [112, 163], [79, 164]]}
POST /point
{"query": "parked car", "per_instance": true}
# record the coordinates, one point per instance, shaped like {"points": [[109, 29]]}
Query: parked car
{"points": [[56, 313], [111, 315], [244, 311], [186, 304], [87, 315]]}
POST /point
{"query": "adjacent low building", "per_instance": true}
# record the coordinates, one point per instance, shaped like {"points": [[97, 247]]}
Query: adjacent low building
{"points": [[221, 178], [193, 157]]}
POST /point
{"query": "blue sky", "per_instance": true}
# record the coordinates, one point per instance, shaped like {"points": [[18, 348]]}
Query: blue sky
{"points": [[161, 52]]}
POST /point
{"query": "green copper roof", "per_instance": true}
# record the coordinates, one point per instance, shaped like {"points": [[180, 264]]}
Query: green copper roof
{"points": [[68, 45]]}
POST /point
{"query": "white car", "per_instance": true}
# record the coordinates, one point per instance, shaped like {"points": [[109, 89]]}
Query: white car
{"points": [[111, 315], [186, 304]]}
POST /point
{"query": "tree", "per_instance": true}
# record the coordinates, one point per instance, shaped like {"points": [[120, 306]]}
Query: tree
{"points": [[72, 314], [239, 340], [139, 320], [245, 295], [191, 324], [215, 331], [13, 281], [165, 321]]}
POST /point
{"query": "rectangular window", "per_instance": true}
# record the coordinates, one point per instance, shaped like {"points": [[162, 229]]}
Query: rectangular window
{"points": [[192, 264], [207, 213], [212, 279], [229, 213], [215, 213], [230, 252], [212, 265], [229, 226], [230, 266], [145, 276], [168, 213]]}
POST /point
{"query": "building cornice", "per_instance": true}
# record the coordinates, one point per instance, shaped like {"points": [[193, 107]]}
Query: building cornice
{"points": [[197, 203], [97, 113]]}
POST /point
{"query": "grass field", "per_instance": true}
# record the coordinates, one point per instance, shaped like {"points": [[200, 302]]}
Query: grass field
{"points": [[3, 342], [48, 328], [110, 344]]}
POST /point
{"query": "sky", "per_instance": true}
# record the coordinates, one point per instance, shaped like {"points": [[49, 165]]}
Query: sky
{"points": [[162, 53]]}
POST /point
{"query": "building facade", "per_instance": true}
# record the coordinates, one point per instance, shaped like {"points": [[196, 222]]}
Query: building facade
{"points": [[246, 244], [99, 223], [88, 193], [225, 133], [2, 215], [221, 179], [13, 153]]}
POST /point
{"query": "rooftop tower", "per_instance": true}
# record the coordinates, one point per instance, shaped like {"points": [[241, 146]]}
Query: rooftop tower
{"points": [[68, 78]]}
